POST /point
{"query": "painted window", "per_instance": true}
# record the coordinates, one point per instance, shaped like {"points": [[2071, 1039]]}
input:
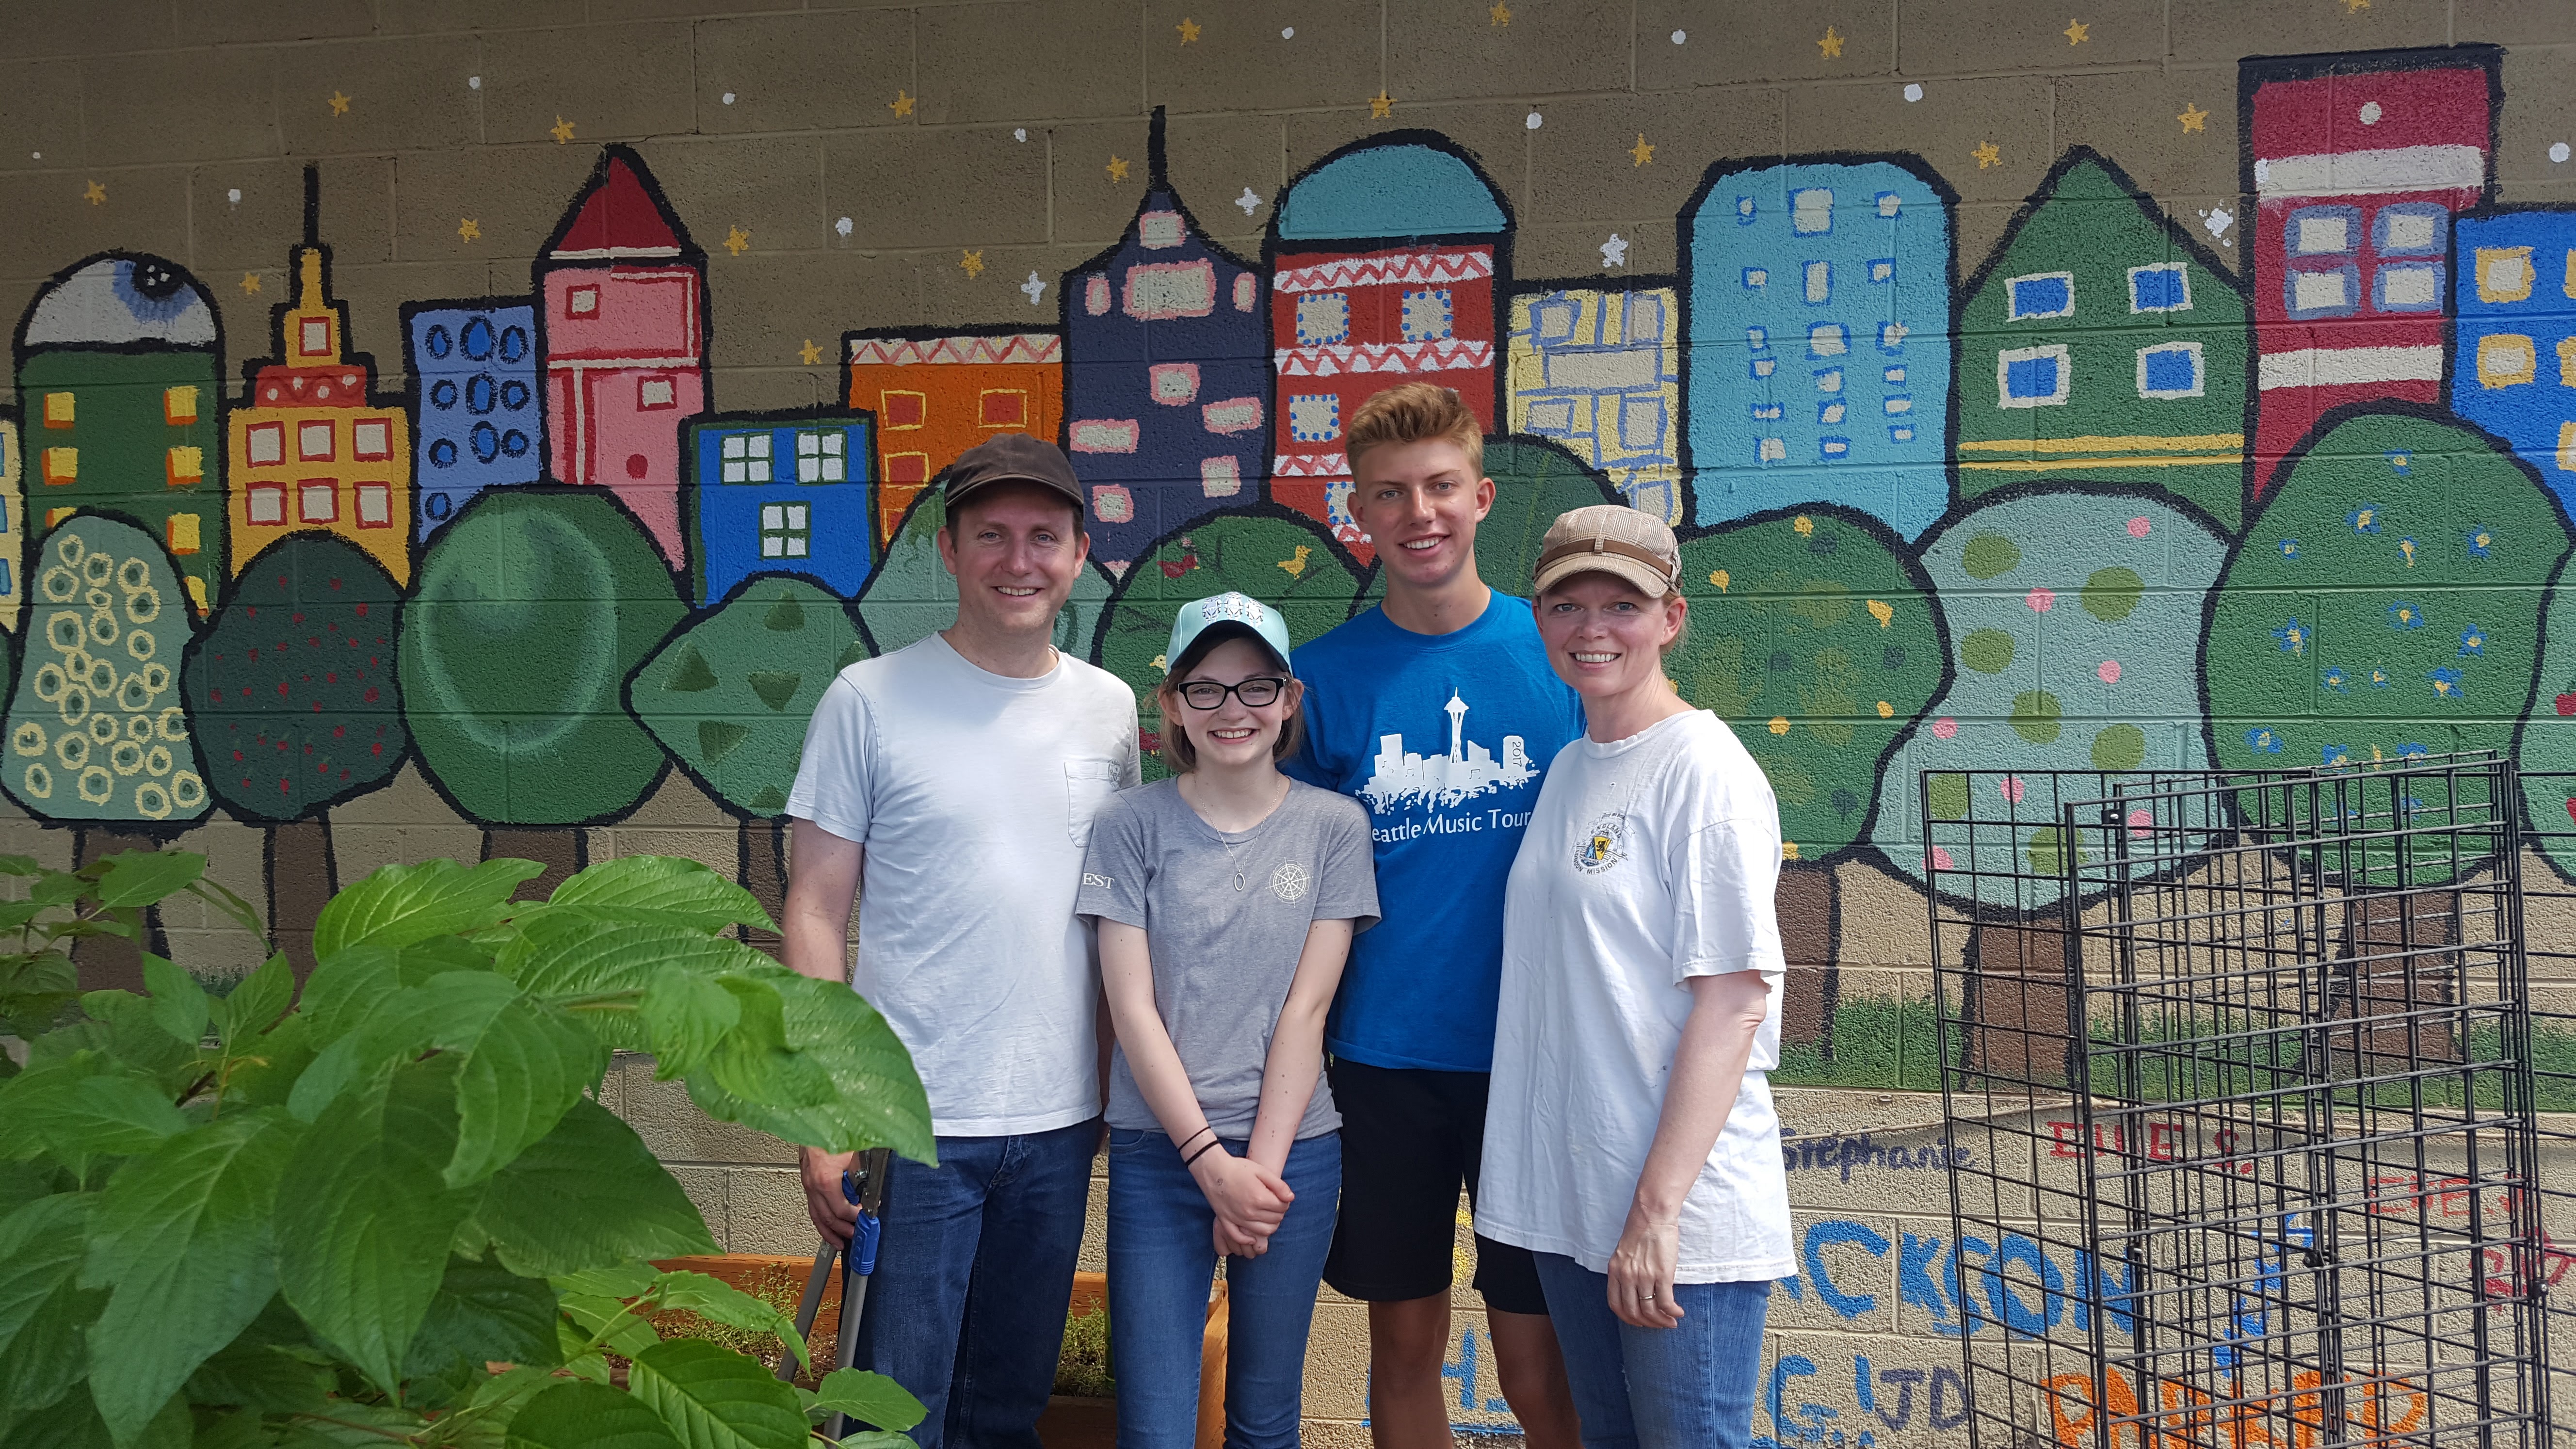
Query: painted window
{"points": [[1160, 230], [375, 505], [62, 465], [909, 469], [1811, 211], [900, 410], [59, 409], [2567, 362], [1221, 477], [1882, 270], [1426, 315], [1756, 278], [1829, 449], [313, 442], [2171, 370], [1002, 407], [1889, 204], [313, 338], [1771, 450], [785, 530], [266, 443], [1896, 404], [1831, 414], [2032, 377], [2506, 359], [2322, 292], [1103, 435], [181, 532], [657, 392], [1314, 417], [1900, 432], [1163, 291], [372, 440], [1827, 339], [1095, 296], [2407, 287], [2160, 287], [2323, 231], [1745, 210], [317, 500], [1323, 319], [745, 458], [582, 302], [1820, 283], [1829, 379], [2409, 229], [820, 458], [1172, 383], [179, 405], [265, 505], [1247, 292], [2042, 294], [185, 467], [2504, 275]]}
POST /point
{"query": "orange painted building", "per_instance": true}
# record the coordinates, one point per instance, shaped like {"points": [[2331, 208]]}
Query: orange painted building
{"points": [[311, 447], [935, 397]]}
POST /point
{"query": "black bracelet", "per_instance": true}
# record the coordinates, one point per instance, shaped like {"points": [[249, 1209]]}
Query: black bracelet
{"points": [[1212, 1144], [1193, 1137]]}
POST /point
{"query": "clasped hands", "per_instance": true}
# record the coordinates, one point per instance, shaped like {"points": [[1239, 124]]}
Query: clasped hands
{"points": [[1250, 1201]]}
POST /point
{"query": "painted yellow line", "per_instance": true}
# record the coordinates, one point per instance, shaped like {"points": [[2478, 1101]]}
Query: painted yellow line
{"points": [[2201, 444], [2052, 465]]}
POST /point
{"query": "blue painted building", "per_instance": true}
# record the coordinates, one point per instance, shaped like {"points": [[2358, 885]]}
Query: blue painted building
{"points": [[1819, 316], [478, 420], [2514, 343], [779, 493], [1165, 377]]}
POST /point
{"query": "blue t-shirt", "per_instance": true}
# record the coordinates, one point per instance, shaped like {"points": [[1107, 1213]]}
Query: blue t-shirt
{"points": [[1443, 738]]}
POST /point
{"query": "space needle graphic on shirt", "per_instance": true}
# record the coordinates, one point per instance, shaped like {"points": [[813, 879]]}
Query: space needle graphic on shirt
{"points": [[1469, 769]]}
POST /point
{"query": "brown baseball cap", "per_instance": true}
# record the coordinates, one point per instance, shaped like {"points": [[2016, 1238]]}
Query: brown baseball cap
{"points": [[1013, 458], [1613, 539]]}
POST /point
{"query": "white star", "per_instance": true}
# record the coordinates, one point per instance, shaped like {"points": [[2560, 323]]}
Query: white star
{"points": [[1020, 133], [1249, 201], [843, 226], [1614, 252], [1034, 288]]}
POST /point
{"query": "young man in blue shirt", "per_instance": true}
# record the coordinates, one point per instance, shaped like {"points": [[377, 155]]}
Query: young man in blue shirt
{"points": [[1438, 711]]}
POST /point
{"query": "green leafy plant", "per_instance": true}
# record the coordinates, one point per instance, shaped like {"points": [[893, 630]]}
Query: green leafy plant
{"points": [[394, 1212], [1083, 1368]]}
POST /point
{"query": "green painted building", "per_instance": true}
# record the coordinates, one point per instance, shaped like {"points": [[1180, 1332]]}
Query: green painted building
{"points": [[121, 390], [2101, 344]]}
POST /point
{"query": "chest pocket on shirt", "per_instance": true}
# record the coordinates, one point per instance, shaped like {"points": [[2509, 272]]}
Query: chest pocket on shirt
{"points": [[1088, 784]]}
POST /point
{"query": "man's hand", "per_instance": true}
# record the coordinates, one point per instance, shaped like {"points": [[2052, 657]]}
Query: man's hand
{"points": [[835, 1216], [1250, 1201], [1641, 1272]]}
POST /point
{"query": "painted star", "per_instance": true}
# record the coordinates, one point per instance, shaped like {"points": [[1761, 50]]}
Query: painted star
{"points": [[901, 105], [1501, 13], [339, 104], [1189, 30], [973, 262], [809, 354], [94, 194], [561, 130], [1381, 105], [250, 284], [1832, 44], [2193, 118], [1250, 201], [1641, 154], [469, 229], [2355, 7], [1614, 252], [1034, 287], [2077, 32], [737, 241], [1987, 154], [1117, 168]]}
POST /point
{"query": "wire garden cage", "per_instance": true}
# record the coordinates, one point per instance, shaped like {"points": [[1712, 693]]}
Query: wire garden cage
{"points": [[2251, 1052]]}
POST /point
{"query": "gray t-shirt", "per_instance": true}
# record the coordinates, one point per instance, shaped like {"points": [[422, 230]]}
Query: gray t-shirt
{"points": [[1224, 957]]}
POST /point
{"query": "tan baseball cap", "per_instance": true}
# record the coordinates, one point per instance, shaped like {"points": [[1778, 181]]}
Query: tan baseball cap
{"points": [[1612, 539]]}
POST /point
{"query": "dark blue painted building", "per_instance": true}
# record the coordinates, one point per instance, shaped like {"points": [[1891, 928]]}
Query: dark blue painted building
{"points": [[477, 416], [779, 493]]}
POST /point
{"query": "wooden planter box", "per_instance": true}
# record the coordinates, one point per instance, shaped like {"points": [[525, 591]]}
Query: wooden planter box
{"points": [[1069, 1422]]}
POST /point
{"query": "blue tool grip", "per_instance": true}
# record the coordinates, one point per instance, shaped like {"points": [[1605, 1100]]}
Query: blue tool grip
{"points": [[863, 1246]]}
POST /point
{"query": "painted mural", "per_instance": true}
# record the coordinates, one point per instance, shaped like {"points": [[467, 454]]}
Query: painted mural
{"points": [[2102, 499]]}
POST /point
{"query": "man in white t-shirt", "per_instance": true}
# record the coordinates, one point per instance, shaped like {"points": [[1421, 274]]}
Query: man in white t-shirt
{"points": [[959, 776]]}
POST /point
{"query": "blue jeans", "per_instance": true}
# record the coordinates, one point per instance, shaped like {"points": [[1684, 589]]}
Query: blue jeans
{"points": [[1162, 1256], [1658, 1388], [974, 1270]]}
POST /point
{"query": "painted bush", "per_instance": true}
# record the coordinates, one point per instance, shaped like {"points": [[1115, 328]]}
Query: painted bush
{"points": [[297, 699], [1282, 560], [2386, 601], [913, 594], [2546, 749], [2071, 618], [97, 730], [530, 610], [730, 693], [1813, 638]]}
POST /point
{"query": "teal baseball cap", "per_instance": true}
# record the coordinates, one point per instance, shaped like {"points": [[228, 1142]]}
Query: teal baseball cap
{"points": [[1205, 623]]}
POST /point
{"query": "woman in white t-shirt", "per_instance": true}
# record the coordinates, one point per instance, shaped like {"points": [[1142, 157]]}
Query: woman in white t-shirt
{"points": [[1631, 1142]]}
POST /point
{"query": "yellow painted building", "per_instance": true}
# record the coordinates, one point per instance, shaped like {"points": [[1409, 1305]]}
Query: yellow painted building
{"points": [[312, 449]]}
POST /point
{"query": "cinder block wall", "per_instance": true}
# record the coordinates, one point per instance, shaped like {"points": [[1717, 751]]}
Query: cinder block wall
{"points": [[2162, 383]]}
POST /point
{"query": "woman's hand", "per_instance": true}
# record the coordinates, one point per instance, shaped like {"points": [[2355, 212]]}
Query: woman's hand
{"points": [[1641, 1272], [1250, 1201]]}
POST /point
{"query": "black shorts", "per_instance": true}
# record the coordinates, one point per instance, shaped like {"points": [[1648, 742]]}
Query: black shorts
{"points": [[1409, 1138]]}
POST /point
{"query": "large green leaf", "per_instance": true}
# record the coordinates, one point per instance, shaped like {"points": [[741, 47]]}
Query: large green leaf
{"points": [[588, 1416], [879, 1100], [255, 1005], [484, 1312], [714, 1398], [525, 1070], [360, 1237], [685, 1015], [869, 1398], [450, 1011], [401, 904], [42, 1307], [71, 1421], [179, 1005], [662, 888], [718, 1301], [186, 1239], [145, 877], [262, 1377], [82, 1108], [587, 1195], [573, 955]]}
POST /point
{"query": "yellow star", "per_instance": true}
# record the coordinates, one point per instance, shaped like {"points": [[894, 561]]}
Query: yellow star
{"points": [[1832, 44], [973, 262], [339, 104], [1117, 168], [809, 354], [94, 194], [561, 130], [2076, 32], [1641, 153], [469, 229], [1188, 28], [250, 284], [901, 105], [1501, 12], [2355, 7], [1987, 155], [2193, 118], [1381, 105], [737, 241]]}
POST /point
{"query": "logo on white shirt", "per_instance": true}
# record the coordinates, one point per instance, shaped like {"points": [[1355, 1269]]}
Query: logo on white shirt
{"points": [[1469, 769], [1289, 882], [1603, 846]]}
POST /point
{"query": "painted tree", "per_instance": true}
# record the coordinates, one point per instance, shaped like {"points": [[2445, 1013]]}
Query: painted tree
{"points": [[1280, 558], [729, 694], [298, 706], [912, 594], [529, 612], [2546, 746]]}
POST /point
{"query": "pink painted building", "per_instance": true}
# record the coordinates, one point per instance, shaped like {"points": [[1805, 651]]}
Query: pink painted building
{"points": [[622, 325]]}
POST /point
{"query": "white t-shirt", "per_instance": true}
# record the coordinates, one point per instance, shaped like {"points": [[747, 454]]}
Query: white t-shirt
{"points": [[974, 795], [1648, 861]]}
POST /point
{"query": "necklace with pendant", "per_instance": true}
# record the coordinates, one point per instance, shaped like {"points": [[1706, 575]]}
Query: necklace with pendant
{"points": [[1235, 858]]}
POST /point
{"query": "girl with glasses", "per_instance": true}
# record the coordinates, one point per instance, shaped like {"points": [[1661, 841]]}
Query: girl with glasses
{"points": [[1226, 897]]}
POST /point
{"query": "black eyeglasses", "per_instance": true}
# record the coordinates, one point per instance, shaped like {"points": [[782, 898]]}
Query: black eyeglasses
{"points": [[1255, 692]]}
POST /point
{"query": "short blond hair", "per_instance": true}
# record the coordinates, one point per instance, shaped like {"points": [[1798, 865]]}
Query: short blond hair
{"points": [[1416, 412]]}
